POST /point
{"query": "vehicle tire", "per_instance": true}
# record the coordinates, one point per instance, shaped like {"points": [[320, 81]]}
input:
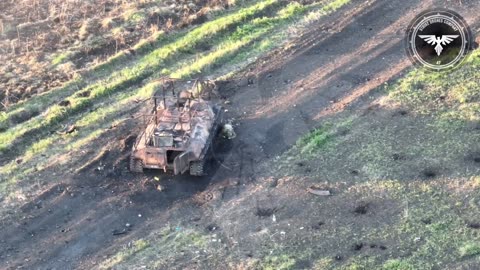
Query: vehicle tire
{"points": [[197, 168], [136, 165]]}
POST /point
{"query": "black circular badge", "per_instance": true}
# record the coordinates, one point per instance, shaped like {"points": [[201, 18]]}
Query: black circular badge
{"points": [[438, 39]]}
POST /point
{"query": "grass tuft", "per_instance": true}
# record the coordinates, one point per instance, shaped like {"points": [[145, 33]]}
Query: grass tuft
{"points": [[470, 250], [396, 264]]}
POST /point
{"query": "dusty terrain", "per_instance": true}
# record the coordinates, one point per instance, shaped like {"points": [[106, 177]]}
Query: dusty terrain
{"points": [[253, 211], [46, 43]]}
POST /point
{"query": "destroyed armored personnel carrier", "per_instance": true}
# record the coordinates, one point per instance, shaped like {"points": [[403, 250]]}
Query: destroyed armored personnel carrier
{"points": [[178, 134]]}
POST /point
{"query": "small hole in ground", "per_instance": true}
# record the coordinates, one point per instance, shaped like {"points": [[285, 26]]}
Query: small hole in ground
{"points": [[300, 164], [475, 226], [212, 227], [64, 103], [361, 209], [265, 212], [357, 246], [398, 157], [429, 173], [427, 221], [318, 225], [401, 112]]}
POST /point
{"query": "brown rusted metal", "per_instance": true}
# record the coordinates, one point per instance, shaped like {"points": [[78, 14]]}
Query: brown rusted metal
{"points": [[177, 135]]}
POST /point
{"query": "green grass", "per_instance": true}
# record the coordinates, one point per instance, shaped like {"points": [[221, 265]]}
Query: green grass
{"points": [[397, 265], [125, 254], [160, 249], [61, 58], [279, 262], [452, 96], [470, 249], [320, 138], [315, 140]]}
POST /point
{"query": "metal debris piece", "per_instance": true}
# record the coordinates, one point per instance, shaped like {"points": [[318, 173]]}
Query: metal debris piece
{"points": [[319, 192], [67, 129], [119, 232]]}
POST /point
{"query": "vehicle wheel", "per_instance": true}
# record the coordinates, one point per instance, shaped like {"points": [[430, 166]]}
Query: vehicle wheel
{"points": [[136, 165], [196, 168]]}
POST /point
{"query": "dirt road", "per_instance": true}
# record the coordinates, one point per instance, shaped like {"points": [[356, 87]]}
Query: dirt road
{"points": [[335, 66]]}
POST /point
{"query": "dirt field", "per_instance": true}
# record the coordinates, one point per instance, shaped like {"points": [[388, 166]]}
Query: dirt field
{"points": [[334, 105], [46, 43]]}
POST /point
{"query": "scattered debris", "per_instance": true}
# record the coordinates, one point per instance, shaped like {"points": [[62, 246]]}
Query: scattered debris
{"points": [[318, 192], [71, 129], [160, 188], [67, 130]]}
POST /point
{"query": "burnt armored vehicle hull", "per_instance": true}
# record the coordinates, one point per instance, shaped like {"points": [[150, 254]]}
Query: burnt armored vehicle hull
{"points": [[179, 134]]}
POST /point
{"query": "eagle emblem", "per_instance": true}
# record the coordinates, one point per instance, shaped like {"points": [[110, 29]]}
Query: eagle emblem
{"points": [[438, 41]]}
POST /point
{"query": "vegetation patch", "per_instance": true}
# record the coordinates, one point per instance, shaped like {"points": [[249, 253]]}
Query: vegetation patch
{"points": [[469, 250], [418, 158], [162, 249]]}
